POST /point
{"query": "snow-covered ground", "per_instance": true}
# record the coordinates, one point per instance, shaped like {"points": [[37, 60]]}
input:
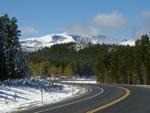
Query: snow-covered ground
{"points": [[81, 81], [144, 86], [30, 96]]}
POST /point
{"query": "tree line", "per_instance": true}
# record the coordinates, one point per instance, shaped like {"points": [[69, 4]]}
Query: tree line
{"points": [[110, 63], [125, 64], [45, 69], [63, 60]]}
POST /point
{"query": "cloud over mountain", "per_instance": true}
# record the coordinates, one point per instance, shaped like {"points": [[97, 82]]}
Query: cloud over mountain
{"points": [[82, 29], [111, 20]]}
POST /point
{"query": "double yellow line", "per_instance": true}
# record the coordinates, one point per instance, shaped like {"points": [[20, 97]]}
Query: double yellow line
{"points": [[126, 94]]}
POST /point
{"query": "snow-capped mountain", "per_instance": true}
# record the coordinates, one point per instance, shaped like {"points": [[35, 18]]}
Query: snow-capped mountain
{"points": [[32, 44]]}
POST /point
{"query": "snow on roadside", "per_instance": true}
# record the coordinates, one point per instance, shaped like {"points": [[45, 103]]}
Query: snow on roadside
{"points": [[81, 81], [26, 97], [144, 86]]}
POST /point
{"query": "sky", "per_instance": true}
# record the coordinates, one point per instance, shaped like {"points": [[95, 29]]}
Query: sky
{"points": [[116, 19]]}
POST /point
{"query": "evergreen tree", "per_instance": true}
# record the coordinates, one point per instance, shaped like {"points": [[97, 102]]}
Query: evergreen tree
{"points": [[60, 70], [13, 63]]}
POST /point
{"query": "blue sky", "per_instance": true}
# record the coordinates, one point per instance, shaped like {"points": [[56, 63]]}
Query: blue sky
{"points": [[117, 19]]}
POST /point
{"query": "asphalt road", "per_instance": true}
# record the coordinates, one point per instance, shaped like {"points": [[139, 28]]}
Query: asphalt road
{"points": [[137, 102]]}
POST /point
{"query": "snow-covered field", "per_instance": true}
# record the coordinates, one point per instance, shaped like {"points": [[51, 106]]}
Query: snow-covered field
{"points": [[17, 98]]}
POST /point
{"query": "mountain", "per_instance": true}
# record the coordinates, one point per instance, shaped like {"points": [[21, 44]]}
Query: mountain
{"points": [[32, 44]]}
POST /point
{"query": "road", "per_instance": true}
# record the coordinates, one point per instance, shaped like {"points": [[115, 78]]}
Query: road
{"points": [[102, 99]]}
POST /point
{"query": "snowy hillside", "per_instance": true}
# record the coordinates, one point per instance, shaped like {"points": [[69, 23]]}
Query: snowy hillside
{"points": [[32, 44]]}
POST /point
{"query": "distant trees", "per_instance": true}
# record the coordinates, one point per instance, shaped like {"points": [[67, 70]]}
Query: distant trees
{"points": [[39, 68], [60, 70], [44, 69], [68, 72], [12, 60], [61, 55], [142, 57], [33, 68], [110, 63], [103, 64], [125, 64], [53, 70]]}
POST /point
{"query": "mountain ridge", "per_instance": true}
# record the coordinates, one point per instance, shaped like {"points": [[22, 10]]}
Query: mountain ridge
{"points": [[36, 43]]}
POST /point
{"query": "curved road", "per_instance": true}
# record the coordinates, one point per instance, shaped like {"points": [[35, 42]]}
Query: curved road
{"points": [[102, 95]]}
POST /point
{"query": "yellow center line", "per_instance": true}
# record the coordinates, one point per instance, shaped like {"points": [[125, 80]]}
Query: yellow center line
{"points": [[127, 93]]}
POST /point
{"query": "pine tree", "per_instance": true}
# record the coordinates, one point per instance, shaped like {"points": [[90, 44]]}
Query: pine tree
{"points": [[60, 70], [102, 65], [13, 61]]}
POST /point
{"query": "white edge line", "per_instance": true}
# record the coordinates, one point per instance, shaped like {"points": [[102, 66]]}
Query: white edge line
{"points": [[102, 90]]}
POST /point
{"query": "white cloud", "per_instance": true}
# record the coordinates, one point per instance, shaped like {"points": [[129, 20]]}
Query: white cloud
{"points": [[82, 29], [144, 28], [112, 20], [29, 30], [145, 15]]}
